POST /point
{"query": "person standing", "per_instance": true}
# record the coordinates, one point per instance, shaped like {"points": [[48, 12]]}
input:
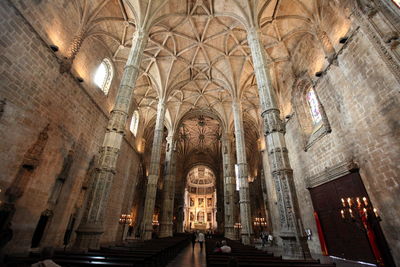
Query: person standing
{"points": [[201, 240], [264, 238], [193, 239], [270, 239]]}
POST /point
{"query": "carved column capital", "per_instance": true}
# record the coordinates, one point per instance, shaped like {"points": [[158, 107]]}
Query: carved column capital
{"points": [[272, 121]]}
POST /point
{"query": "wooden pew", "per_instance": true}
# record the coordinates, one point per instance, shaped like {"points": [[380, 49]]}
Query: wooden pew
{"points": [[248, 256], [151, 253]]}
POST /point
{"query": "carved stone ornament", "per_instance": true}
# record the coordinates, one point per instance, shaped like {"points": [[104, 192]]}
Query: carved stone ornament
{"points": [[331, 173]]}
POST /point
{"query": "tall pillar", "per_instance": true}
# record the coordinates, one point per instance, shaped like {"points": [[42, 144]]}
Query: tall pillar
{"points": [[271, 197], [154, 172], [229, 186], [168, 195], [244, 193], [294, 245], [91, 226]]}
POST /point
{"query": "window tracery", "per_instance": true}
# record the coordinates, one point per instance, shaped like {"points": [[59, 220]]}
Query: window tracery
{"points": [[104, 75]]}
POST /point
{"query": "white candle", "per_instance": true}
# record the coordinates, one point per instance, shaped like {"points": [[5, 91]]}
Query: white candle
{"points": [[365, 201], [351, 213], [376, 213]]}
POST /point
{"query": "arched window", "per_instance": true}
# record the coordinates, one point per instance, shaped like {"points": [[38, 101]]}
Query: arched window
{"points": [[104, 75], [134, 122], [310, 113], [314, 107]]}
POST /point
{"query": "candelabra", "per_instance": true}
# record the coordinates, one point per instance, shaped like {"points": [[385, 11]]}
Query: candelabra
{"points": [[237, 227], [356, 209], [260, 222], [124, 219], [155, 222], [359, 210]]}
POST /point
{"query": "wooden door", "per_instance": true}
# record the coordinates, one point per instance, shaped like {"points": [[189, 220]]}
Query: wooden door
{"points": [[344, 239]]}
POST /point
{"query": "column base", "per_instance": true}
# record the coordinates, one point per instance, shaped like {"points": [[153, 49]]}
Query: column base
{"points": [[293, 248], [147, 234], [165, 230], [88, 237], [230, 233], [247, 239]]}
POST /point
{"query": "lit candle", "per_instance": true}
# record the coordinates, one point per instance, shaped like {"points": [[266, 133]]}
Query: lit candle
{"points": [[342, 212], [376, 213], [365, 201], [365, 212], [349, 201], [343, 202], [358, 202], [351, 213]]}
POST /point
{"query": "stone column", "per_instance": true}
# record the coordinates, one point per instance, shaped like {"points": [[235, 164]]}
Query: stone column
{"points": [[294, 245], [168, 195], [229, 186], [154, 171], [244, 194], [91, 226], [271, 198]]}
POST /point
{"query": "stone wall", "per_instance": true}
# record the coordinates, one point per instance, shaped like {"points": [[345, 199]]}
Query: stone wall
{"points": [[361, 99], [37, 94]]}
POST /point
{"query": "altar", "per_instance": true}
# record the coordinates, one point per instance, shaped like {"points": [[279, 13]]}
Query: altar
{"points": [[200, 226]]}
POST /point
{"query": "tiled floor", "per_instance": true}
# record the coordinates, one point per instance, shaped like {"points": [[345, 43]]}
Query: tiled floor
{"points": [[189, 257]]}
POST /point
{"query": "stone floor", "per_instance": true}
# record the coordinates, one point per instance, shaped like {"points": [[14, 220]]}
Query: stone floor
{"points": [[190, 257], [324, 259]]}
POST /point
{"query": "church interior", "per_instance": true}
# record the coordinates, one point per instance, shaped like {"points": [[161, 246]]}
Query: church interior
{"points": [[136, 121]]}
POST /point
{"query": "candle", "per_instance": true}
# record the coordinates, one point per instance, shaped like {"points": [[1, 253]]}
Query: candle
{"points": [[365, 212], [349, 201], [351, 213], [358, 202], [342, 212], [365, 201], [343, 202], [376, 213]]}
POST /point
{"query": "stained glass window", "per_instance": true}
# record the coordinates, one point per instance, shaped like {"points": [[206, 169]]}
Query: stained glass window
{"points": [[314, 107], [104, 75], [397, 3], [134, 122]]}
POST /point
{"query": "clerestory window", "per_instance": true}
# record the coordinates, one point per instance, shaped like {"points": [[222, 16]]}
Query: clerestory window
{"points": [[104, 75]]}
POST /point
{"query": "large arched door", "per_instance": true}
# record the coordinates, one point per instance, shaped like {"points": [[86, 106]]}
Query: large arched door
{"points": [[346, 238]]}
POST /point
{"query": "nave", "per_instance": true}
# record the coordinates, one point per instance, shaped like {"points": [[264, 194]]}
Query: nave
{"points": [[131, 122]]}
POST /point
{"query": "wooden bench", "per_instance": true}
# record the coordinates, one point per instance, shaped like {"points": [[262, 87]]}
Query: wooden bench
{"points": [[248, 256], [151, 253]]}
